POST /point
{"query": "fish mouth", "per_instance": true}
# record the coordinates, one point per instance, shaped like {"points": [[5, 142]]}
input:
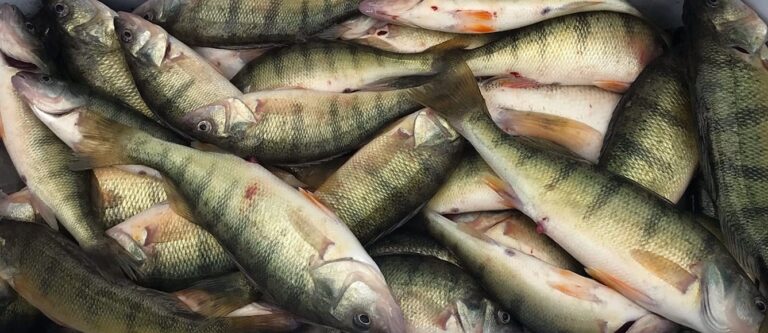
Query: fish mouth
{"points": [[19, 64]]}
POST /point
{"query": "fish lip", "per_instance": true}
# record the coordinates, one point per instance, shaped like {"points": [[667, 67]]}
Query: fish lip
{"points": [[21, 84]]}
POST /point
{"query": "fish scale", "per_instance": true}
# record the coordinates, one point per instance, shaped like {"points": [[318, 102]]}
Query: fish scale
{"points": [[238, 23], [600, 48], [625, 236]]}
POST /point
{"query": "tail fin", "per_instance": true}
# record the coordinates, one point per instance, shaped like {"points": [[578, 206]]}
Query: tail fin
{"points": [[102, 143], [273, 322], [109, 255], [453, 94], [218, 296]]}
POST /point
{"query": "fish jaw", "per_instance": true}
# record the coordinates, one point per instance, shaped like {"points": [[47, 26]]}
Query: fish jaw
{"points": [[16, 40], [47, 94], [736, 24], [141, 39]]}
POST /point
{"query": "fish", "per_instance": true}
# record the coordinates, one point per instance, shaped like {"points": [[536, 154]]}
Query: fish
{"points": [[58, 104], [296, 126], [627, 237], [603, 49], [92, 52], [59, 194], [18, 30], [118, 194], [390, 37], [472, 187], [229, 62], [512, 229], [544, 297], [391, 177], [575, 117], [333, 280], [335, 67], [245, 23], [16, 314], [313, 175], [173, 79], [440, 297], [178, 251], [406, 242], [220, 295], [483, 16], [652, 139], [17, 207], [730, 98], [29, 251]]}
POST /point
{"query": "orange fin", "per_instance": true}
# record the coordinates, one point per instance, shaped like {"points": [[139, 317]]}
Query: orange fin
{"points": [[665, 269], [573, 285], [474, 15], [485, 221], [514, 82], [479, 28], [621, 286], [613, 86], [312, 198], [576, 136], [508, 196]]}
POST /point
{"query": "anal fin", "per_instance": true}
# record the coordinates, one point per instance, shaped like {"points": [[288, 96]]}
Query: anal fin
{"points": [[613, 86], [505, 192]]}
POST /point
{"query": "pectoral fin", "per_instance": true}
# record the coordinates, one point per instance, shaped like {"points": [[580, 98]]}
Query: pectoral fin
{"points": [[665, 269]]}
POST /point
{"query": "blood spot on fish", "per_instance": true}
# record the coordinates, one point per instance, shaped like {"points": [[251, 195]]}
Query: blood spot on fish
{"points": [[434, 8], [251, 191], [546, 11], [329, 82], [541, 228], [509, 252], [516, 74], [347, 90]]}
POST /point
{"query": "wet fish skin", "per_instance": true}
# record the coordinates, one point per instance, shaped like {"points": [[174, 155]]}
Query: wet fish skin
{"points": [[16, 314], [30, 252], [469, 189], [512, 229], [230, 62], [244, 23], [730, 92], [482, 16], [608, 50], [329, 66], [58, 104], [178, 251], [427, 288], [17, 207], [119, 195], [403, 39], [654, 129], [617, 230], [575, 117], [295, 126], [543, 297], [92, 52], [391, 177], [231, 206], [406, 242], [17, 30], [171, 77]]}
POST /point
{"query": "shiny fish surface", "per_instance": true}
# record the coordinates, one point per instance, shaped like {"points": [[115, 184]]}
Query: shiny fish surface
{"points": [[229, 62], [391, 177], [119, 195], [237, 23]]}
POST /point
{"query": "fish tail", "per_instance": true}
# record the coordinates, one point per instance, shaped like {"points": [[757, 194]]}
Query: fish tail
{"points": [[110, 255], [103, 144], [453, 94]]}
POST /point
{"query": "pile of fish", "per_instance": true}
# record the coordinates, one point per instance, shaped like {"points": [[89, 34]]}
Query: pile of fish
{"points": [[384, 166]]}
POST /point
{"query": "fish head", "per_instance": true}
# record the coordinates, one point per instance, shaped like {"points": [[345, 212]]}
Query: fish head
{"points": [[218, 121], [383, 36], [358, 302], [730, 301], [19, 44], [88, 21], [735, 23], [493, 319], [48, 94], [159, 11], [389, 10], [142, 41], [429, 129]]}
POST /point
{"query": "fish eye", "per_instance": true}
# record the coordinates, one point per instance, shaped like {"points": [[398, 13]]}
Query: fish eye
{"points": [[127, 36], [760, 304], [204, 126], [381, 33], [30, 27], [148, 16], [504, 317], [713, 3], [46, 79], [61, 9], [362, 321]]}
